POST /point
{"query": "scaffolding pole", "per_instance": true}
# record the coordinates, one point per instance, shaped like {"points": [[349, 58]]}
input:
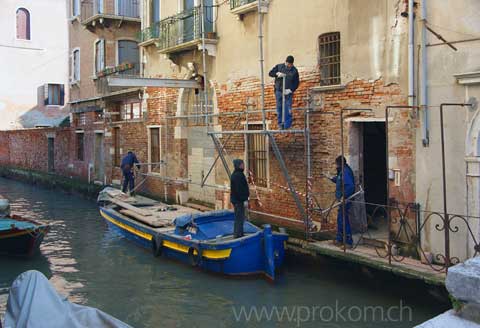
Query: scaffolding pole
{"points": [[204, 62], [262, 73]]}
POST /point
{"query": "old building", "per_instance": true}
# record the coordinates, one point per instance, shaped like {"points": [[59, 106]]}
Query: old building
{"points": [[355, 59], [102, 43], [34, 72], [180, 82]]}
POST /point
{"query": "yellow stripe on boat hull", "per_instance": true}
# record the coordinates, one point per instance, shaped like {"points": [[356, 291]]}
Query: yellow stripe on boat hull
{"points": [[212, 254]]}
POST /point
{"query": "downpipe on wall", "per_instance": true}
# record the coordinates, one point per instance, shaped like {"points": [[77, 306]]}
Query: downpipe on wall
{"points": [[424, 77]]}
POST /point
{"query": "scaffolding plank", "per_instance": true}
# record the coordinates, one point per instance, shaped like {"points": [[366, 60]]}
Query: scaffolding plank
{"points": [[152, 82]]}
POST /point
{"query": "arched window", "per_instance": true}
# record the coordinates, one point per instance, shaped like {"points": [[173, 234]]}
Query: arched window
{"points": [[23, 24]]}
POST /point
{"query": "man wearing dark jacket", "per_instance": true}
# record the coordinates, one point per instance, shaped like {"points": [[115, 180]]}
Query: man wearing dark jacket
{"points": [[127, 169], [239, 194], [349, 188], [292, 80]]}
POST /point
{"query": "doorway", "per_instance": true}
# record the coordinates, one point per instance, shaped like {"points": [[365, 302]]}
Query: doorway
{"points": [[99, 158], [51, 155], [374, 178]]}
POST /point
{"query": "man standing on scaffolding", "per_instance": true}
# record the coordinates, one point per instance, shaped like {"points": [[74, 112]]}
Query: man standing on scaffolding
{"points": [[288, 74], [127, 167], [349, 188]]}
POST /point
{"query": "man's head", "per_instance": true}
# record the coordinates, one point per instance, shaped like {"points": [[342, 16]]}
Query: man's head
{"points": [[289, 61], [338, 162], [238, 164]]}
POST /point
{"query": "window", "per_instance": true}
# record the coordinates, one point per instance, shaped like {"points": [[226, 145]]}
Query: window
{"points": [[81, 119], [128, 53], [80, 146], [154, 12], [75, 8], [76, 65], [131, 111], [54, 94], [99, 6], [99, 55], [329, 50], [23, 24], [116, 146], [154, 150], [257, 156]]}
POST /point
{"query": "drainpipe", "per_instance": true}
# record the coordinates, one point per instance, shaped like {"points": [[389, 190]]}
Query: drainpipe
{"points": [[424, 77], [411, 58]]}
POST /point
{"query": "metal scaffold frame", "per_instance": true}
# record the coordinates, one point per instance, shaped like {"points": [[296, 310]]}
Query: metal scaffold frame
{"points": [[304, 210]]}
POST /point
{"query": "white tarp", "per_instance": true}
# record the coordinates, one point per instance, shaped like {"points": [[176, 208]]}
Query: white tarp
{"points": [[34, 303]]}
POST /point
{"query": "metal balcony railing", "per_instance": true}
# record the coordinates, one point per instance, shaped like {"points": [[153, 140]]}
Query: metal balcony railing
{"points": [[101, 8], [180, 28], [238, 3]]}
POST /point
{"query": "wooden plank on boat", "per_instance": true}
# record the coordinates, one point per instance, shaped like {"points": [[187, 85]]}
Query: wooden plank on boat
{"points": [[152, 221], [130, 207]]}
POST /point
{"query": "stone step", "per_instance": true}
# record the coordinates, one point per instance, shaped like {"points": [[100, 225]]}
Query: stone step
{"points": [[374, 242]]}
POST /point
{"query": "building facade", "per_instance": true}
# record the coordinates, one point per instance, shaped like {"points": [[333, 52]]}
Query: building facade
{"points": [[192, 88], [102, 44], [34, 72]]}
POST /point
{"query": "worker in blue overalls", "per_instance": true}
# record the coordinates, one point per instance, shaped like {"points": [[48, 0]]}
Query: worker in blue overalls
{"points": [[127, 167], [349, 188]]}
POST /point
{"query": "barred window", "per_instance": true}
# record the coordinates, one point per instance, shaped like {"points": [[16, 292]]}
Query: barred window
{"points": [[329, 50], [257, 156]]}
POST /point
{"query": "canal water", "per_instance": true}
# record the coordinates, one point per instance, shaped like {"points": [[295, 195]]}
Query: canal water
{"points": [[93, 266]]}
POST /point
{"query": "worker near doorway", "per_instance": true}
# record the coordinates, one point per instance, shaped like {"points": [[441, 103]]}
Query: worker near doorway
{"points": [[127, 167], [288, 72], [239, 194], [349, 188]]}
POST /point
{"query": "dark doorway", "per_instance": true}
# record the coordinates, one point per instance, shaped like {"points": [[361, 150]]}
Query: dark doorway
{"points": [[51, 155], [374, 165]]}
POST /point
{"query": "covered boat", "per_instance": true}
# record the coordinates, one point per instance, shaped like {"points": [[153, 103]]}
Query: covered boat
{"points": [[203, 240], [33, 302], [19, 236]]}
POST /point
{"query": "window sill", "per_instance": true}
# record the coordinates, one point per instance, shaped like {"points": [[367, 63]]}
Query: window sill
{"points": [[75, 83], [326, 88], [53, 106]]}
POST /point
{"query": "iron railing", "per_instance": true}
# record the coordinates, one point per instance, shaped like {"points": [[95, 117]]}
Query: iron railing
{"points": [[418, 234], [124, 8], [180, 28], [238, 3]]}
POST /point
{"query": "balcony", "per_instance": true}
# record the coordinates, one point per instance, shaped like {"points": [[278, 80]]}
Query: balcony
{"points": [[102, 13], [241, 7], [124, 70], [181, 32]]}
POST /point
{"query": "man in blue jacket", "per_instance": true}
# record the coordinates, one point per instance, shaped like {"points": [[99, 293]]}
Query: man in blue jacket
{"points": [[292, 80], [127, 169], [349, 188], [239, 193]]}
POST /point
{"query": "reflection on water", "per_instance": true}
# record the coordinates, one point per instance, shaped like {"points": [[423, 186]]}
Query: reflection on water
{"points": [[94, 266]]}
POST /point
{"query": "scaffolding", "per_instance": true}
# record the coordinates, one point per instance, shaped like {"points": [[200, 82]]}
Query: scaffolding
{"points": [[305, 207]]}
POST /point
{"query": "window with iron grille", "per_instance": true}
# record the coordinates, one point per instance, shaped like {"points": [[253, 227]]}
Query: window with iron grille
{"points": [[257, 156], [116, 146], [80, 146], [329, 51]]}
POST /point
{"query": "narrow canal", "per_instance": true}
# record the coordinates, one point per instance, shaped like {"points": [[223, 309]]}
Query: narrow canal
{"points": [[95, 267]]}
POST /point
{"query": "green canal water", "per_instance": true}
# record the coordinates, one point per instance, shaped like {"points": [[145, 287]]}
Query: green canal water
{"points": [[93, 266]]}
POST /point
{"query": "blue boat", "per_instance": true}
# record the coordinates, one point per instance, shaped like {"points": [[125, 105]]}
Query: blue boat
{"points": [[203, 240]]}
